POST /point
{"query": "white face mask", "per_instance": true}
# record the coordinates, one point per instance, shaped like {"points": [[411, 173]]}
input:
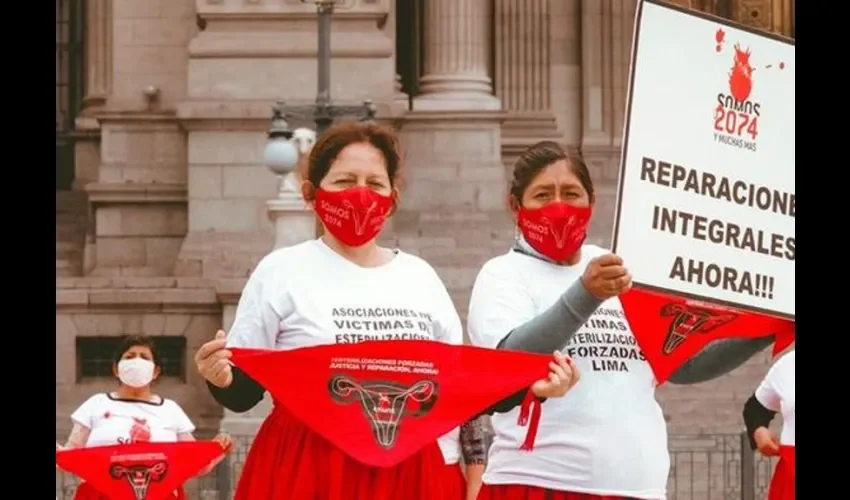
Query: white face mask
{"points": [[136, 372]]}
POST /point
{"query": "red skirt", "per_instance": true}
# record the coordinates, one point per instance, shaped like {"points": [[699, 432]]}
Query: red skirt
{"points": [[86, 491], [782, 485], [521, 492], [287, 460]]}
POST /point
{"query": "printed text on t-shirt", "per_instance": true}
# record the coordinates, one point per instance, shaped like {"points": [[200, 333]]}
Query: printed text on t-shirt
{"points": [[358, 324], [606, 342]]}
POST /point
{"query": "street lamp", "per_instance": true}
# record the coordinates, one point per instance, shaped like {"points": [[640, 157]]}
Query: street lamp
{"points": [[281, 155], [293, 222]]}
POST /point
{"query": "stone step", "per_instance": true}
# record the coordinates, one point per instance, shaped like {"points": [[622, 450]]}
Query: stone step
{"points": [[71, 218], [68, 249], [69, 228], [65, 268], [71, 202], [71, 235]]}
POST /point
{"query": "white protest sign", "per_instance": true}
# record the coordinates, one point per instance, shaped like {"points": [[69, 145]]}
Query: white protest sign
{"points": [[706, 202]]}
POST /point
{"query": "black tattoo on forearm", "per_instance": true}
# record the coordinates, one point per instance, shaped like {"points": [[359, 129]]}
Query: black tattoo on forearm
{"points": [[475, 439]]}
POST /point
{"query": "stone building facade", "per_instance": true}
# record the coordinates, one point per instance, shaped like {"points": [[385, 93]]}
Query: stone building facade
{"points": [[162, 110]]}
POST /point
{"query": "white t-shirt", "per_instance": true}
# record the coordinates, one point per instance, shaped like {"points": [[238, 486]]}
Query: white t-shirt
{"points": [[777, 393], [115, 421], [307, 295], [607, 436]]}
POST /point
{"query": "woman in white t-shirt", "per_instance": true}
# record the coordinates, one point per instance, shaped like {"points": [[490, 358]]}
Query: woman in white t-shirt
{"points": [[607, 438], [343, 288], [132, 413], [776, 394]]}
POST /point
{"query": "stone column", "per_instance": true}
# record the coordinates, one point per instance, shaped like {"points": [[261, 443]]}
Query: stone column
{"points": [[453, 212], [98, 86], [98, 52], [606, 28], [522, 73], [457, 48], [401, 101], [228, 100]]}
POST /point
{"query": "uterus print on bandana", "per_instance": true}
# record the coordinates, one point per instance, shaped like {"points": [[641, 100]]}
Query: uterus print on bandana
{"points": [[139, 471], [385, 404], [672, 329], [380, 402]]}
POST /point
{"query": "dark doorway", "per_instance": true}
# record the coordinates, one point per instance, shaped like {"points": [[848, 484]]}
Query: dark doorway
{"points": [[69, 85], [408, 49]]}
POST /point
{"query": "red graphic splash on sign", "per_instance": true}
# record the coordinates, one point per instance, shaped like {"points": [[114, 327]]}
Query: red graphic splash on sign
{"points": [[741, 74]]}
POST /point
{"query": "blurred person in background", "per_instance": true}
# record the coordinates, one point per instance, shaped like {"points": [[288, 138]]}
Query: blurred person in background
{"points": [[132, 413]]}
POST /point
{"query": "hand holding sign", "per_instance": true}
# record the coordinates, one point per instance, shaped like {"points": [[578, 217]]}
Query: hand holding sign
{"points": [[213, 361], [563, 375], [606, 277]]}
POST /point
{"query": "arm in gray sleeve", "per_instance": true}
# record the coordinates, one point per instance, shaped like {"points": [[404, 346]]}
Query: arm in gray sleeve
{"points": [[553, 329], [718, 358]]}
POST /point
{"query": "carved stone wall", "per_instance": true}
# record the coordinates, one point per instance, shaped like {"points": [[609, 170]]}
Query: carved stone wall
{"points": [[523, 73], [250, 54]]}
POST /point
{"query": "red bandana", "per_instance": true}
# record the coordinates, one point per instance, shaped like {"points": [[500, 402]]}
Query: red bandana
{"points": [[670, 330], [382, 401], [783, 481], [140, 471]]}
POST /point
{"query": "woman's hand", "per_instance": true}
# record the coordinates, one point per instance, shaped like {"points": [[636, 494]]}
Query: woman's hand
{"points": [[59, 447], [606, 277], [225, 441], [765, 442], [213, 361], [563, 375]]}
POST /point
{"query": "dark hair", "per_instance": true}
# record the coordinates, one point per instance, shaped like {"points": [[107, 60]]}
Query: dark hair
{"points": [[335, 139], [541, 155], [133, 341]]}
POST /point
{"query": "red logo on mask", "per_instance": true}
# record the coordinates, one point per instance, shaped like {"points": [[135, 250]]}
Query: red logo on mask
{"points": [[354, 216], [557, 230]]}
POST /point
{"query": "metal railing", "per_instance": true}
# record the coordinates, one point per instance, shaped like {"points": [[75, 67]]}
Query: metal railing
{"points": [[703, 467]]}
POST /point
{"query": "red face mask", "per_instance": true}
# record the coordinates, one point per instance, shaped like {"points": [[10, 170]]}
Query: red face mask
{"points": [[556, 230], [355, 215]]}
